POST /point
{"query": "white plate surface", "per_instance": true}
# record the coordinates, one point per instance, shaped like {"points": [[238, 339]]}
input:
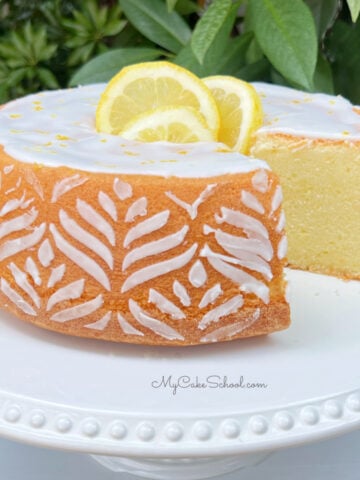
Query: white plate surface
{"points": [[100, 397]]}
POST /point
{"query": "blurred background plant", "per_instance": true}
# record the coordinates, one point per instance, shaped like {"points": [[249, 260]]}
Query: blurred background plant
{"points": [[309, 44]]}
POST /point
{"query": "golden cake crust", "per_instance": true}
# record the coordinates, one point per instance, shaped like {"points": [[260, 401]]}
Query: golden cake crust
{"points": [[73, 258]]}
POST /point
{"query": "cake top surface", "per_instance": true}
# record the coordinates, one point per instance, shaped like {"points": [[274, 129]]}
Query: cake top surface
{"points": [[312, 115], [58, 129]]}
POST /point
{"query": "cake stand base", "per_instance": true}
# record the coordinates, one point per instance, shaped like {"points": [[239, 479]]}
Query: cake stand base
{"points": [[153, 412], [180, 468]]}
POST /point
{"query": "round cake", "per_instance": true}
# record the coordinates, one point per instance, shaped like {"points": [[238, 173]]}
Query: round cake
{"points": [[160, 243]]}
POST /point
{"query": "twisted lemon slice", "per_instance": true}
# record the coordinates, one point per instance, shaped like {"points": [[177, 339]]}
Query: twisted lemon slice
{"points": [[240, 110]]}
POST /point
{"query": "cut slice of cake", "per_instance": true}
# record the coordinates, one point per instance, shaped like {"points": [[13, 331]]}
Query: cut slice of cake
{"points": [[312, 141], [158, 243]]}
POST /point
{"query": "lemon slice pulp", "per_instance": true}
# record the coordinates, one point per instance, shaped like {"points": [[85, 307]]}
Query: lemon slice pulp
{"points": [[171, 124], [144, 87], [240, 110]]}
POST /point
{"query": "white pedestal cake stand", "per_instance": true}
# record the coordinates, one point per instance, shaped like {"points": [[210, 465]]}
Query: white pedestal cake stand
{"points": [[235, 402]]}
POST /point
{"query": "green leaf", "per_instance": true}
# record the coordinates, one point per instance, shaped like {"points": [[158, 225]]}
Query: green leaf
{"points": [[16, 63], [220, 45], [154, 21], [354, 7], [208, 27], [4, 97], [216, 58], [130, 37], [113, 28], [286, 33], [254, 52], [28, 32], [4, 72], [105, 66], [99, 17], [31, 73], [7, 51], [186, 7], [343, 47], [171, 4], [81, 54], [187, 59], [234, 57], [20, 45], [38, 42], [325, 13], [259, 70], [47, 78], [47, 52], [323, 78], [72, 25], [16, 76]]}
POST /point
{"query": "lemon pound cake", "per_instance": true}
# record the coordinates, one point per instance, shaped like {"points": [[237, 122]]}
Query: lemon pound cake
{"points": [[145, 243], [312, 141]]}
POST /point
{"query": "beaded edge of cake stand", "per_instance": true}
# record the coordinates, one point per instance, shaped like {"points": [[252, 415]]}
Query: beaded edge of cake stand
{"points": [[112, 433]]}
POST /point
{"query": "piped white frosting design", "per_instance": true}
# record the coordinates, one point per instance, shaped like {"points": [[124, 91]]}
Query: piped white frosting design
{"points": [[242, 255], [58, 129], [305, 114]]}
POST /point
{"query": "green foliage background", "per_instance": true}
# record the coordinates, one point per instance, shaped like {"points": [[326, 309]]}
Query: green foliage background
{"points": [[313, 45]]}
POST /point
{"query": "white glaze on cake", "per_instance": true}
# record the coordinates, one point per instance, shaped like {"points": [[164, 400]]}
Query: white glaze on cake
{"points": [[149, 225], [108, 205], [245, 263], [197, 274], [12, 247], [192, 209], [157, 269], [127, 327], [155, 247], [100, 324], [250, 201], [18, 223], [305, 114], [96, 220], [277, 199], [145, 319], [210, 295], [58, 129], [45, 253], [56, 275], [80, 258], [165, 305], [16, 298], [70, 292], [214, 315], [137, 209], [238, 245], [64, 186], [86, 238], [81, 310], [260, 181], [33, 271], [229, 331], [180, 291], [22, 281]]}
